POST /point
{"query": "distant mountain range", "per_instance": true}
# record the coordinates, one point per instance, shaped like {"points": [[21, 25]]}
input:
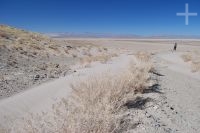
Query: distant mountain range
{"points": [[91, 35], [106, 35]]}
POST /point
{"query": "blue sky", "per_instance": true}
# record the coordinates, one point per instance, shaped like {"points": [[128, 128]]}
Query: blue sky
{"points": [[142, 17]]}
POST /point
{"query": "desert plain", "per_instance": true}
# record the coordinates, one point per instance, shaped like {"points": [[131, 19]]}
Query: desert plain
{"points": [[98, 84]]}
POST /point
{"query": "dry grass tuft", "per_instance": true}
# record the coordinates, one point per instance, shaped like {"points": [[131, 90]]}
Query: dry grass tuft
{"points": [[104, 58], [36, 47], [196, 66], [194, 59], [4, 35], [143, 56], [53, 47], [186, 57]]}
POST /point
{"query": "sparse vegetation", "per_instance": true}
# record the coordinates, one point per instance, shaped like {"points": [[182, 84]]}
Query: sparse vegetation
{"points": [[196, 66], [95, 105], [143, 56], [35, 47], [187, 57], [194, 59], [101, 58], [55, 48], [27, 53]]}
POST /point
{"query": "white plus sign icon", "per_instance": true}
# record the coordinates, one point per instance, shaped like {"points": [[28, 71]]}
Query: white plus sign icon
{"points": [[186, 14]]}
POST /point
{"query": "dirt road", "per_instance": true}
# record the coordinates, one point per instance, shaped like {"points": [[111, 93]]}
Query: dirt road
{"points": [[176, 101], [181, 88]]}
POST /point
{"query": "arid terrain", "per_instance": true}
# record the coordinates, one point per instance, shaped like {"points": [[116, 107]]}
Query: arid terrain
{"points": [[98, 85], [28, 59]]}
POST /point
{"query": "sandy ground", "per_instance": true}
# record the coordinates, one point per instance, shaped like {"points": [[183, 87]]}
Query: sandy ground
{"points": [[176, 104], [181, 89]]}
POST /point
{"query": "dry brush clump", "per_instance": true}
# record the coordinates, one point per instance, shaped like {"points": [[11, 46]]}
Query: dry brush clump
{"points": [[194, 59], [187, 57], [143, 56], [95, 105], [103, 58], [196, 67]]}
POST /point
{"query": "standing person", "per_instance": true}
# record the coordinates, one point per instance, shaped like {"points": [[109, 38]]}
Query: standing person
{"points": [[175, 46]]}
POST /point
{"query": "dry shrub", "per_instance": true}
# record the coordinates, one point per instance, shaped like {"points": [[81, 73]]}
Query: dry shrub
{"points": [[143, 56], [96, 105], [4, 35], [195, 66], [104, 58], [18, 48], [53, 47], [194, 59], [21, 41], [36, 47], [186, 57]]}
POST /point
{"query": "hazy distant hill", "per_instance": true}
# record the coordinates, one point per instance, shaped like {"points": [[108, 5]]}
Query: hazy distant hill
{"points": [[106, 35], [91, 35]]}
